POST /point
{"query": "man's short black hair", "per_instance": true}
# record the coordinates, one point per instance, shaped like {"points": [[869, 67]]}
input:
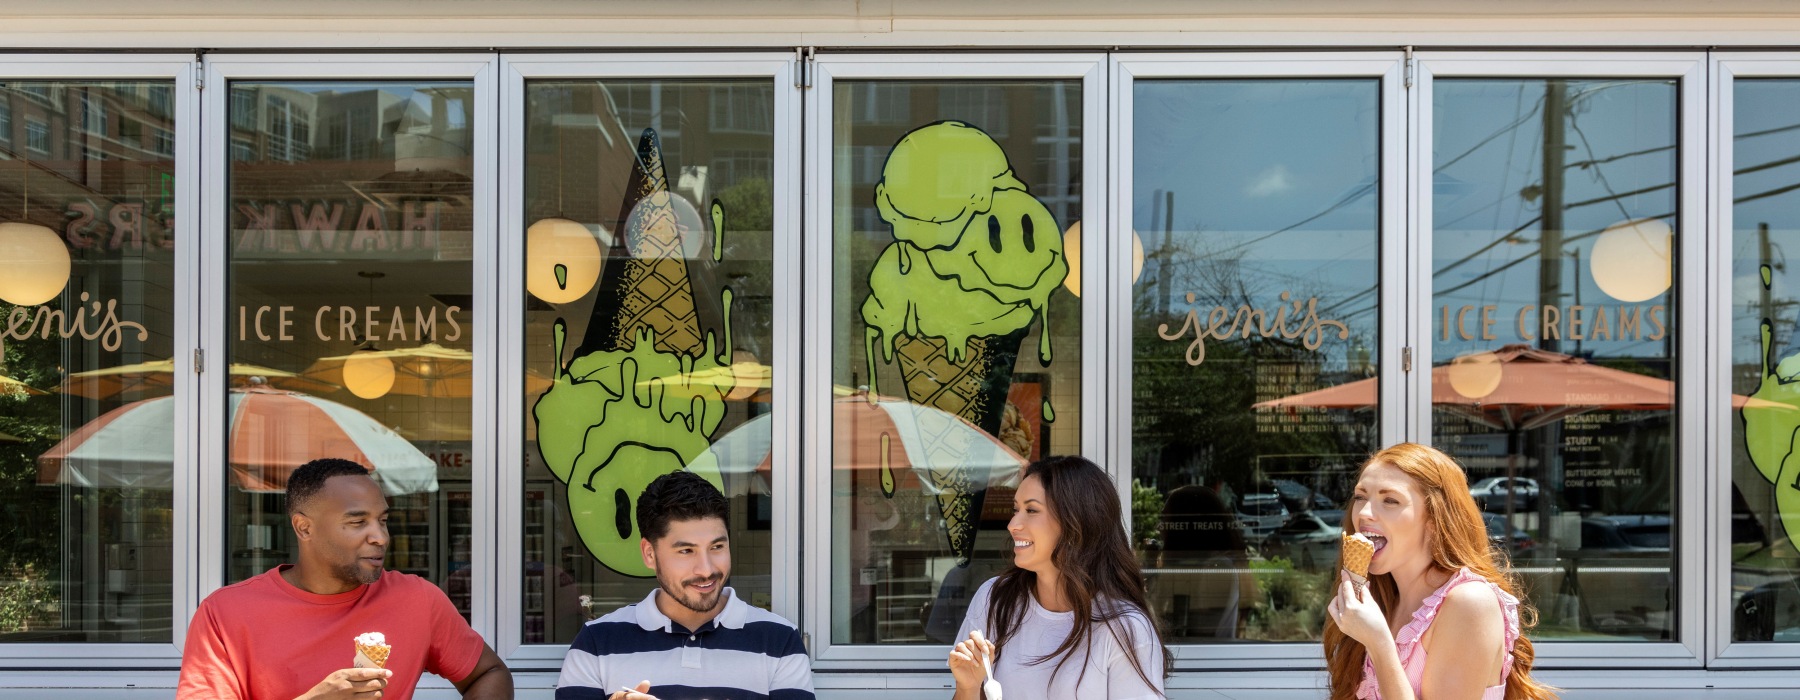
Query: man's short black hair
{"points": [[305, 482], [681, 495]]}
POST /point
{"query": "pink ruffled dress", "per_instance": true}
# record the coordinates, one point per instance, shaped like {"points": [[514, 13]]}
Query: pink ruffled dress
{"points": [[1412, 653]]}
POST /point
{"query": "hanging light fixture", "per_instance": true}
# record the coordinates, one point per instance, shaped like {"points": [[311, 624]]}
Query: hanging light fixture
{"points": [[38, 262], [1631, 259], [562, 257], [369, 373], [1476, 375], [1072, 251]]}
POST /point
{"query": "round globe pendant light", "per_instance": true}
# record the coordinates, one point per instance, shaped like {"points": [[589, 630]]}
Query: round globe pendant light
{"points": [[1631, 259], [1072, 251], [37, 262], [562, 260]]}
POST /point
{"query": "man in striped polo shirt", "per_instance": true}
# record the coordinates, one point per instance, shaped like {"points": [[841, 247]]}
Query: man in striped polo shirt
{"points": [[692, 638]]}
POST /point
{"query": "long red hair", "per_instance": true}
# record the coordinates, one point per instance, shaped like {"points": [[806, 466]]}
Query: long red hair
{"points": [[1458, 540]]}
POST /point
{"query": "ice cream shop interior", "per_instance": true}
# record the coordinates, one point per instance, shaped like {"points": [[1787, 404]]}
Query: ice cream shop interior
{"points": [[856, 264]]}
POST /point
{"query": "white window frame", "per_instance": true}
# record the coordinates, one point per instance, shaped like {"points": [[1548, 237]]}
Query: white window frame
{"points": [[784, 414], [821, 314], [1722, 652], [1690, 518], [220, 70], [1385, 66], [178, 69]]}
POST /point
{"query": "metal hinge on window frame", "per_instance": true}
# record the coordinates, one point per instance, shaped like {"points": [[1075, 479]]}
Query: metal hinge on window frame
{"points": [[804, 61], [1411, 65], [199, 360], [1406, 359], [199, 70]]}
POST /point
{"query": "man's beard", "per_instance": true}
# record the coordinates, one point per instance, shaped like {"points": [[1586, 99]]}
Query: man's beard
{"points": [[702, 603], [353, 571]]}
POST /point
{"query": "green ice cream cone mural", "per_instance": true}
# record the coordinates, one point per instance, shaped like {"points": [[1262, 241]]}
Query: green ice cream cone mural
{"points": [[1772, 430], [970, 272], [628, 407]]}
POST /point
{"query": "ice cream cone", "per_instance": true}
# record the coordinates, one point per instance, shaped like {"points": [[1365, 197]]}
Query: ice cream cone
{"points": [[974, 389], [652, 288], [1356, 553], [371, 651]]}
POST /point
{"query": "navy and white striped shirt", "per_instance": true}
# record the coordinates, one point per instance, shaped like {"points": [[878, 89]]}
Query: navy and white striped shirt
{"points": [[745, 653]]}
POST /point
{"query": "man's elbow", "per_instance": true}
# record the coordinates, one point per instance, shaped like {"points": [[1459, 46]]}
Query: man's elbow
{"points": [[489, 682]]}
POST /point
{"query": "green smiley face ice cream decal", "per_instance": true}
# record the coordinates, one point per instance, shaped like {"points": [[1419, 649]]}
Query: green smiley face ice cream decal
{"points": [[970, 272], [632, 404], [1772, 430]]}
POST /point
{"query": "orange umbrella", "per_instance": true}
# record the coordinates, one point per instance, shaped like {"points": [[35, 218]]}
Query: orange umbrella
{"points": [[427, 370], [14, 387], [1517, 387], [158, 376]]}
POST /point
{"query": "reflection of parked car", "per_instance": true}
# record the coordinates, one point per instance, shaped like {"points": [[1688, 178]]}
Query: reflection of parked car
{"points": [[1299, 497], [1768, 613], [1492, 493], [1497, 531], [1260, 513], [1626, 533], [1310, 540]]}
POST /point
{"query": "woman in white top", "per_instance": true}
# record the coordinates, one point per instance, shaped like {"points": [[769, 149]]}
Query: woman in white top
{"points": [[1067, 620]]}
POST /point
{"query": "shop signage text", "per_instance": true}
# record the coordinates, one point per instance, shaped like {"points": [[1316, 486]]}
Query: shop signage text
{"points": [[101, 323], [1551, 322], [1223, 322], [323, 227], [331, 323]]}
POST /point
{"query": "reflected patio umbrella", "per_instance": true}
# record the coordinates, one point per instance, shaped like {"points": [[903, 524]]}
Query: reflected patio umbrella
{"points": [[901, 438], [1534, 388], [429, 370], [272, 432], [158, 376], [14, 387]]}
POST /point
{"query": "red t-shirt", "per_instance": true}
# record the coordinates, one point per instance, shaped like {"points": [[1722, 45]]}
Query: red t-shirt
{"points": [[264, 639]]}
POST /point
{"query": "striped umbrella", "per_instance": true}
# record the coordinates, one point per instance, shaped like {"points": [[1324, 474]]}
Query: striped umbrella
{"points": [[272, 432], [892, 439]]}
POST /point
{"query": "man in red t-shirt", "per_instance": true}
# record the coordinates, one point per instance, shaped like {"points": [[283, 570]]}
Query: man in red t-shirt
{"points": [[290, 633]]}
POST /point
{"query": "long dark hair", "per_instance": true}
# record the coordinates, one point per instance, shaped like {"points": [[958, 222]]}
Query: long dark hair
{"points": [[1099, 574]]}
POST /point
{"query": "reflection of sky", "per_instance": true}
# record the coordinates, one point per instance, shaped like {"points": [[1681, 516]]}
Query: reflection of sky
{"points": [[1488, 136], [1766, 159], [1273, 188]]}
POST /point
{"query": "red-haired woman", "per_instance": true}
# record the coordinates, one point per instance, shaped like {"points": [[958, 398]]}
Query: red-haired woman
{"points": [[1438, 619]]}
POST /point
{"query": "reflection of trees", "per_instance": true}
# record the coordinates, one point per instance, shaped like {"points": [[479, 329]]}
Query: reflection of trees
{"points": [[28, 515], [1194, 424]]}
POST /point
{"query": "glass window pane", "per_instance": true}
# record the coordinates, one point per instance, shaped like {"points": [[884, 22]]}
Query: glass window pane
{"points": [[87, 425], [349, 311], [648, 337], [957, 340], [1554, 337], [1765, 494], [1257, 208]]}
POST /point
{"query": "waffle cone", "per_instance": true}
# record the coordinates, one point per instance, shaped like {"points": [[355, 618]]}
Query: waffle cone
{"points": [[1356, 555], [372, 655], [974, 389]]}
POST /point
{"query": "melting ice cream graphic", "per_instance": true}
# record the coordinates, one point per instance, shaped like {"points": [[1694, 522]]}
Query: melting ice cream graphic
{"points": [[1772, 430], [970, 272], [630, 407]]}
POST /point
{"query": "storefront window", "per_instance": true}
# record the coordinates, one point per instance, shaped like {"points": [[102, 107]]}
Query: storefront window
{"points": [[648, 338], [1765, 357], [1256, 205], [87, 423], [349, 311], [956, 336], [1553, 337]]}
